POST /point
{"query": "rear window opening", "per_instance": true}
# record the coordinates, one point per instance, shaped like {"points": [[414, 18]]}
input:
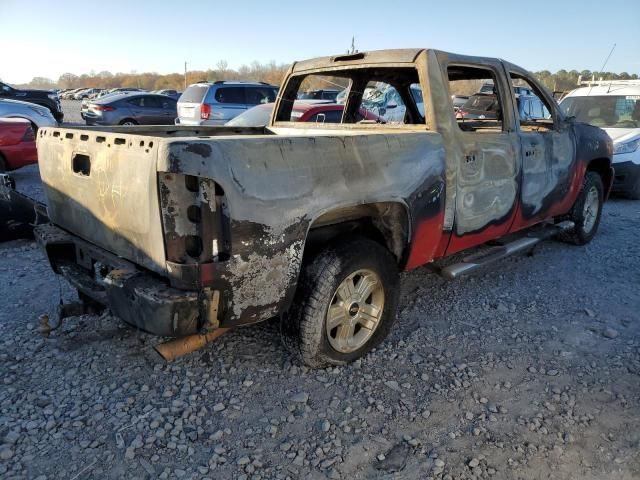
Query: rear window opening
{"points": [[380, 95]]}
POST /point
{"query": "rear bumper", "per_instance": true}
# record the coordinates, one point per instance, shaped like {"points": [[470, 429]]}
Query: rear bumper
{"points": [[138, 297], [198, 123], [626, 176]]}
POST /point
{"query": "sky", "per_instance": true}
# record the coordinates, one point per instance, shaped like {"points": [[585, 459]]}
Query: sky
{"points": [[46, 39]]}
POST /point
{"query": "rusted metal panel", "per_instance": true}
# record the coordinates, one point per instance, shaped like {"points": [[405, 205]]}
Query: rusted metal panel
{"points": [[275, 186], [114, 204]]}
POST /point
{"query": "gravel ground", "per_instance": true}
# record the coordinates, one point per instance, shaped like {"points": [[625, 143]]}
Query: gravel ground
{"points": [[528, 371]]}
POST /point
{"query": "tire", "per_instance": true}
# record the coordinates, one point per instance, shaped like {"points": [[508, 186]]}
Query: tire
{"points": [[585, 213], [128, 121], [634, 193], [3, 164], [354, 264]]}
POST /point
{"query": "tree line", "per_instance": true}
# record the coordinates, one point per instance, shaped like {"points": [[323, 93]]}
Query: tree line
{"points": [[270, 72]]}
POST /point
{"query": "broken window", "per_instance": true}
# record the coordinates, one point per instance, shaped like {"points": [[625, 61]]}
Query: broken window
{"points": [[534, 111], [483, 110], [389, 96]]}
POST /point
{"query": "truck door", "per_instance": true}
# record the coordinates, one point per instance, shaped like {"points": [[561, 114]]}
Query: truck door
{"points": [[485, 149], [547, 150]]}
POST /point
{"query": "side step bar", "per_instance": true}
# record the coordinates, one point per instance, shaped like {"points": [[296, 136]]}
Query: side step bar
{"points": [[475, 262]]}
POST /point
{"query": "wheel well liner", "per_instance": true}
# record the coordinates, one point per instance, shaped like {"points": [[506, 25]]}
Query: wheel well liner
{"points": [[603, 167], [387, 223]]}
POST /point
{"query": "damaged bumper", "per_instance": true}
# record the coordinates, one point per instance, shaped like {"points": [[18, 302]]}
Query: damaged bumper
{"points": [[627, 176], [136, 296]]}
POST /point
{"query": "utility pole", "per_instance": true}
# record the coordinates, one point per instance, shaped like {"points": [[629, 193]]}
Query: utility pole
{"points": [[185, 75]]}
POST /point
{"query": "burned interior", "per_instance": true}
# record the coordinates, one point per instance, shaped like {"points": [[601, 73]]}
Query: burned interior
{"points": [[400, 82]]}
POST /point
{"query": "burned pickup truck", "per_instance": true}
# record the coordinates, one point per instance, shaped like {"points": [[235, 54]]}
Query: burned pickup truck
{"points": [[185, 230]]}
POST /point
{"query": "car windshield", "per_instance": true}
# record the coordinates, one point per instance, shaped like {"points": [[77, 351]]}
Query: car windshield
{"points": [[257, 116], [610, 111]]}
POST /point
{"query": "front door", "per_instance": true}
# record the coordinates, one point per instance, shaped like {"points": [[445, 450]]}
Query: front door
{"points": [[548, 153], [488, 162]]}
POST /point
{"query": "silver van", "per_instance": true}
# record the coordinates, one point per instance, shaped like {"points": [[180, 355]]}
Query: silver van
{"points": [[215, 103]]}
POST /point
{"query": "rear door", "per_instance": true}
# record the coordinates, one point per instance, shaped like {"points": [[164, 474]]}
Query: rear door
{"points": [[158, 111], [486, 151], [227, 102], [168, 111], [140, 111]]}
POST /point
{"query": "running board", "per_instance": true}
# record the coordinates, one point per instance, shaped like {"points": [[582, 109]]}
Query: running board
{"points": [[476, 261]]}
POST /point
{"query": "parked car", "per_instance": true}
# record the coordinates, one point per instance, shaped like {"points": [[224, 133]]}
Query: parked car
{"points": [[319, 95], [68, 95], [313, 223], [303, 111], [480, 106], [84, 106], [458, 101], [216, 103], [131, 109], [87, 93], [46, 98], [38, 115], [483, 106], [17, 144], [169, 93], [613, 106]]}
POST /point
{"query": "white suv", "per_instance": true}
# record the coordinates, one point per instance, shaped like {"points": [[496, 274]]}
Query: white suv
{"points": [[615, 107]]}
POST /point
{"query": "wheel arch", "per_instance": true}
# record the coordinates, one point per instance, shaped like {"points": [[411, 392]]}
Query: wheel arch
{"points": [[603, 167], [386, 222]]}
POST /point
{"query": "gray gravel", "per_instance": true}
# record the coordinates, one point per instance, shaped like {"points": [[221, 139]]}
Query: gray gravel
{"points": [[513, 373]]}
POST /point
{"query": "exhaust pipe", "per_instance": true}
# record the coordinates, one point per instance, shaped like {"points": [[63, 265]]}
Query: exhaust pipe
{"points": [[178, 347]]}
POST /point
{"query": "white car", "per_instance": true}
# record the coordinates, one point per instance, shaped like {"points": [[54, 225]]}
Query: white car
{"points": [[36, 114], [613, 106]]}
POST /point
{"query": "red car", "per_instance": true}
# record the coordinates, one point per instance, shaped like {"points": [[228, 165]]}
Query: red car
{"points": [[303, 111], [17, 144]]}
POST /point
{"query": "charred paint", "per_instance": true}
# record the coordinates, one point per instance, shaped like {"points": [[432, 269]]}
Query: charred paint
{"points": [[259, 194]]}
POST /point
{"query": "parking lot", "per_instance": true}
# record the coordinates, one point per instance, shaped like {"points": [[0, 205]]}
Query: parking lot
{"points": [[528, 370]]}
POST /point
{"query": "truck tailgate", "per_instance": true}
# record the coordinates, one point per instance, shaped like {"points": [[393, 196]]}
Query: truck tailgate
{"points": [[103, 187]]}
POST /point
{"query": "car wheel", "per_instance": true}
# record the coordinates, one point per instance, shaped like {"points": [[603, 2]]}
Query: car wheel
{"points": [[345, 304], [128, 122], [634, 193], [3, 164], [586, 211]]}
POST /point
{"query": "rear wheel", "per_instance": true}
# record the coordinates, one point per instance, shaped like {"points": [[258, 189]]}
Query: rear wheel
{"points": [[345, 304], [586, 212], [128, 122]]}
